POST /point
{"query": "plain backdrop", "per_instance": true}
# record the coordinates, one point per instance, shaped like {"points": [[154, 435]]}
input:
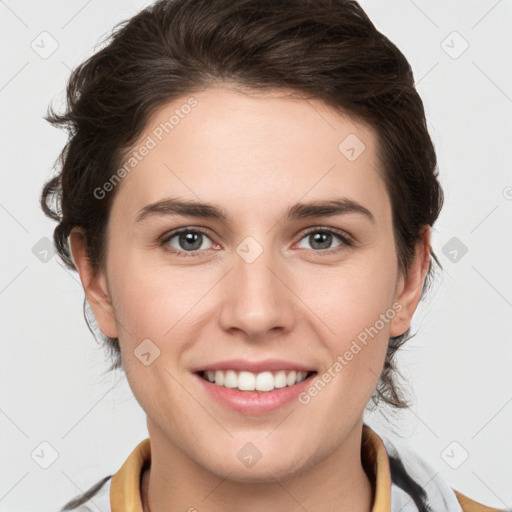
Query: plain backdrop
{"points": [[54, 388]]}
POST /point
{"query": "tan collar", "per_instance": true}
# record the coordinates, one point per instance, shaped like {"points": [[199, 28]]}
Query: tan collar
{"points": [[125, 485]]}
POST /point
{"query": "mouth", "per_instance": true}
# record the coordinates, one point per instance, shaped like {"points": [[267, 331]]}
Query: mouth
{"points": [[254, 387], [261, 382]]}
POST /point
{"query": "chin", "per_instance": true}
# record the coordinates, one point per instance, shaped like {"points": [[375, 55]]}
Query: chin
{"points": [[267, 469]]}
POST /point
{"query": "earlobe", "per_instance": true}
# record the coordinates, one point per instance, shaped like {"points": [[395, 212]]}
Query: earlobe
{"points": [[94, 283], [410, 286]]}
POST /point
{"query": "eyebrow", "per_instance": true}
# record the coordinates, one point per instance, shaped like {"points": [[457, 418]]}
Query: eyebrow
{"points": [[325, 208]]}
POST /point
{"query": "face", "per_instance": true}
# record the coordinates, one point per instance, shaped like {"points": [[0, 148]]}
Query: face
{"points": [[292, 265]]}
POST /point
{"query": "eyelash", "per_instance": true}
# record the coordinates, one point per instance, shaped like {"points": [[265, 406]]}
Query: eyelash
{"points": [[347, 241]]}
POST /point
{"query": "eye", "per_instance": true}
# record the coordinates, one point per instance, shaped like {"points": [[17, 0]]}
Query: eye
{"points": [[322, 238], [188, 240]]}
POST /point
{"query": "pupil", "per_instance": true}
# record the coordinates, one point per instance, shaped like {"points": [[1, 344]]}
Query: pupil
{"points": [[191, 238], [323, 239]]}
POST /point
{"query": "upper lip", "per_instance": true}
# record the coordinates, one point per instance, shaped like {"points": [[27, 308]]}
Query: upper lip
{"points": [[254, 366]]}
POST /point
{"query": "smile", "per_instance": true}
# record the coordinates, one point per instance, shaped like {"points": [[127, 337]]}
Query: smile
{"points": [[264, 381], [256, 392]]}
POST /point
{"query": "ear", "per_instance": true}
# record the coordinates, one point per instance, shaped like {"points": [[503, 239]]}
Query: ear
{"points": [[94, 282], [409, 286]]}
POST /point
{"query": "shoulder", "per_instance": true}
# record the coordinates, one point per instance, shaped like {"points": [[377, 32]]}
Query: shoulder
{"points": [[114, 491], [97, 497], [469, 505], [412, 475]]}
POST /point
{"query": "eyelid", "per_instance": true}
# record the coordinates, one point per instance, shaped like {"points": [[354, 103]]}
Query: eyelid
{"points": [[346, 237], [175, 232], [169, 234]]}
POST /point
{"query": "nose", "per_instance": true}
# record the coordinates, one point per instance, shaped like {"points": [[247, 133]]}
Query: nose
{"points": [[258, 299]]}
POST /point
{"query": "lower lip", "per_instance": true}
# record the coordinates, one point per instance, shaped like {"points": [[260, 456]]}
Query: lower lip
{"points": [[254, 402]]}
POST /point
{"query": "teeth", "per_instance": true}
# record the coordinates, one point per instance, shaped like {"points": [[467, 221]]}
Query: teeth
{"points": [[280, 379], [218, 378], [248, 381], [291, 377]]}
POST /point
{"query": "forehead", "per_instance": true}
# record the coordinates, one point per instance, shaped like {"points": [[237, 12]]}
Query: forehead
{"points": [[242, 146]]}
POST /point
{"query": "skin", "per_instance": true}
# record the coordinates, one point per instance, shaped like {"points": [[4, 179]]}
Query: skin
{"points": [[255, 155]]}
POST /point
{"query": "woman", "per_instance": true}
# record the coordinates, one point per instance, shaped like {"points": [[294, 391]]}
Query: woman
{"points": [[248, 193]]}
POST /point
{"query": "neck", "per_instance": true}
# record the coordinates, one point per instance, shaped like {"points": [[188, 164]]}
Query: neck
{"points": [[338, 482]]}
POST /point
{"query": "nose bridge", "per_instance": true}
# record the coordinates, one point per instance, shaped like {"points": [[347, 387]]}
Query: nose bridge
{"points": [[257, 299]]}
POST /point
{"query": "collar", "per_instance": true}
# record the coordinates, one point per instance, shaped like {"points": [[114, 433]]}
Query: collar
{"points": [[125, 485]]}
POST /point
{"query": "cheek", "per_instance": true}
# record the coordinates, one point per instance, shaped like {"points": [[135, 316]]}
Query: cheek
{"points": [[349, 300], [354, 307], [156, 301], [158, 310]]}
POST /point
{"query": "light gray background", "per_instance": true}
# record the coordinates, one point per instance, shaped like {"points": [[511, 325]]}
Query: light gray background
{"points": [[52, 382]]}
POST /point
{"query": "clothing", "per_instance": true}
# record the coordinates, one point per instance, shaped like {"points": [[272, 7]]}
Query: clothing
{"points": [[388, 469]]}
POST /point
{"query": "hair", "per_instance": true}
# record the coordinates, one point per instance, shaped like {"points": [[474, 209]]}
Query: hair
{"points": [[321, 49]]}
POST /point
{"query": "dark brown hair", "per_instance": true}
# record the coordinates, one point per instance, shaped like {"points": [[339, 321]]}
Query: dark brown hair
{"points": [[321, 49]]}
